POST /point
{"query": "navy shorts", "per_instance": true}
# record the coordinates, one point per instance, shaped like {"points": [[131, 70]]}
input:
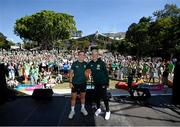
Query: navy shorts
{"points": [[79, 88]]}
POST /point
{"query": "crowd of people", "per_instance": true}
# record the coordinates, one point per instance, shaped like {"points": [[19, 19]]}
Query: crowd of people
{"points": [[51, 67]]}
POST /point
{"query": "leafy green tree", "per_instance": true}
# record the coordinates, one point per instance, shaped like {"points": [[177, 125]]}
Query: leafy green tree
{"points": [[158, 37], [138, 35], [79, 44], [45, 27], [29, 44], [83, 45], [73, 44], [165, 31], [4, 43], [59, 45], [170, 10], [2, 40]]}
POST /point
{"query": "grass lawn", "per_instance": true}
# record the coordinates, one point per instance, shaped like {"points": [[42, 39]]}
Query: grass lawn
{"points": [[112, 84], [65, 85]]}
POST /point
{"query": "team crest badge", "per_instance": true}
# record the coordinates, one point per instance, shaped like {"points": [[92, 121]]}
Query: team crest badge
{"points": [[98, 67]]}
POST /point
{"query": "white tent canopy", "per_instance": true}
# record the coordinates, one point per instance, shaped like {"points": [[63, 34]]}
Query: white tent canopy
{"points": [[15, 47]]}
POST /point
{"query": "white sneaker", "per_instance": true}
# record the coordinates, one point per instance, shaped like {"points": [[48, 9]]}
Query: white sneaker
{"points": [[71, 114], [107, 116], [94, 106], [98, 111], [83, 110]]}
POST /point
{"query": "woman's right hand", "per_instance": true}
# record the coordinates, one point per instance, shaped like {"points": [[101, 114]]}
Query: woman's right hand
{"points": [[71, 85]]}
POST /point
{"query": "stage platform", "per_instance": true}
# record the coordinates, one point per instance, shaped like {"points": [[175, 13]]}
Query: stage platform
{"points": [[114, 92], [25, 111]]}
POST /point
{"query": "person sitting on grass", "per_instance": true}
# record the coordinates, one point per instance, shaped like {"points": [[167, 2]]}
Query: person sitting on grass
{"points": [[44, 77], [139, 79], [59, 79], [51, 82], [12, 83]]}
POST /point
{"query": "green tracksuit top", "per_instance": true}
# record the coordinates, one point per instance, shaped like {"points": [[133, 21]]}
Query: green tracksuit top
{"points": [[79, 72], [99, 72]]}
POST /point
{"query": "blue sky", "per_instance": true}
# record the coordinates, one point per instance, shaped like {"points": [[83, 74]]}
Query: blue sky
{"points": [[90, 15]]}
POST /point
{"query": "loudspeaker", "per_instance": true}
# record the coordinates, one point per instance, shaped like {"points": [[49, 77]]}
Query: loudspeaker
{"points": [[2, 76], [42, 94], [5, 93]]}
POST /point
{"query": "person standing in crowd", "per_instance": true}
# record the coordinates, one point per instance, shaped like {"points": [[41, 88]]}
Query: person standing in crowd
{"points": [[113, 69], [176, 81], [170, 67], [78, 83], [151, 72], [117, 72], [130, 81], [165, 78], [65, 68], [139, 70], [145, 71], [160, 72], [34, 73], [101, 82], [11, 71], [165, 75], [26, 71]]}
